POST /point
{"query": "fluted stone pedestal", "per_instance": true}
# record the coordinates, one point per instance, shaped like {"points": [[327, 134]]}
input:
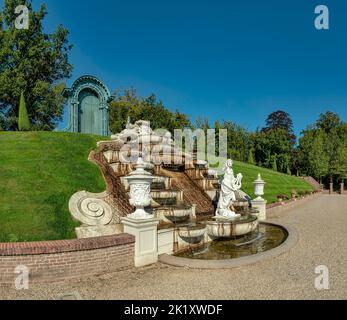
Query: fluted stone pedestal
{"points": [[260, 204], [146, 239]]}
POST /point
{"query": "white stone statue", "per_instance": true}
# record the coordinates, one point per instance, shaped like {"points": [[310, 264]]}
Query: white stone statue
{"points": [[229, 186]]}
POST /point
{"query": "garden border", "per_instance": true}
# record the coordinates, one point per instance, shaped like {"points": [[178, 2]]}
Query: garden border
{"points": [[278, 207]]}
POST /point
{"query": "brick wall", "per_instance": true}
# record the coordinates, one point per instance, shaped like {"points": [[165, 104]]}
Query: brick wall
{"points": [[54, 261]]}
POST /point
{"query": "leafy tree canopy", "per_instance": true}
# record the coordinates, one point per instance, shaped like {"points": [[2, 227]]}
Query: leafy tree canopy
{"points": [[323, 148], [32, 62], [281, 120], [328, 121], [129, 104], [272, 149]]}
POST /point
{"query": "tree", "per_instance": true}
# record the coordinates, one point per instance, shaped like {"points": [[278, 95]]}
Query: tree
{"points": [[272, 146], [239, 141], [202, 123], [294, 162], [341, 168], [336, 144], [274, 162], [289, 172], [251, 157], [33, 62], [23, 118], [328, 121], [313, 159], [323, 148], [137, 108], [281, 120]]}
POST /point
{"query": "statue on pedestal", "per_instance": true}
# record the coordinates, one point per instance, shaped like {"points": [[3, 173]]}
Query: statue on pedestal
{"points": [[229, 186]]}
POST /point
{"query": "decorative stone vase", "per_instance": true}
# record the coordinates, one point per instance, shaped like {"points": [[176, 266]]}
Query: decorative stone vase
{"points": [[259, 186], [140, 182], [259, 203], [213, 174]]}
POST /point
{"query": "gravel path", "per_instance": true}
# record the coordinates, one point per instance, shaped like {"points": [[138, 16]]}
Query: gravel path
{"points": [[322, 227]]}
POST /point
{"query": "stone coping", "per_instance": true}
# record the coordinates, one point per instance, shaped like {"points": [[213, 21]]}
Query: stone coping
{"points": [[60, 246], [276, 208], [238, 262]]}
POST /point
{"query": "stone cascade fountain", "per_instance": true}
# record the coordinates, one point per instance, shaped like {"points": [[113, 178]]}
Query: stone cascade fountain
{"points": [[187, 205], [171, 183]]}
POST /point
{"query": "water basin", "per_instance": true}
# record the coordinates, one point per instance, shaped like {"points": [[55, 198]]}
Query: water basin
{"points": [[267, 237]]}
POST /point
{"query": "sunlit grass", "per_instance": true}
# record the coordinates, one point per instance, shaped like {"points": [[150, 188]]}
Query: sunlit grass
{"points": [[276, 183], [39, 172]]}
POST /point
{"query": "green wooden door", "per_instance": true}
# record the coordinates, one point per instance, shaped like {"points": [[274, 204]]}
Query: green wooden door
{"points": [[89, 113]]}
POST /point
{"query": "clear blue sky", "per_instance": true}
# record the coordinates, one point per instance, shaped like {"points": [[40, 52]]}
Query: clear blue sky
{"points": [[234, 60]]}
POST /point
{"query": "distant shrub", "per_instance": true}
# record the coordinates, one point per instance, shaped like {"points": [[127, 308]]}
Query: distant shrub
{"points": [[294, 193], [282, 197]]}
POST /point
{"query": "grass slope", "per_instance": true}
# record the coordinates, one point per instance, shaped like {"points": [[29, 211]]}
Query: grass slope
{"points": [[276, 183], [40, 171]]}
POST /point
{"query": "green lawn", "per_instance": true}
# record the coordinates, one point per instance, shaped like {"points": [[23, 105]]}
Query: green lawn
{"points": [[40, 171], [276, 183]]}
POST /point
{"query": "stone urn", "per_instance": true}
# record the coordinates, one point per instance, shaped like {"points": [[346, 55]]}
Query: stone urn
{"points": [[259, 185], [140, 182]]}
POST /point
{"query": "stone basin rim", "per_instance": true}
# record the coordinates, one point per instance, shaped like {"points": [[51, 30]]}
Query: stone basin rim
{"points": [[251, 219], [287, 245]]}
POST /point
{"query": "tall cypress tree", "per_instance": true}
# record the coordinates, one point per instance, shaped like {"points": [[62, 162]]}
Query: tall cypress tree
{"points": [[251, 156], [23, 118]]}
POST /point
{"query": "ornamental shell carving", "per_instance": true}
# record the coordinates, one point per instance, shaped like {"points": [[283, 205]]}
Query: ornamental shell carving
{"points": [[90, 208]]}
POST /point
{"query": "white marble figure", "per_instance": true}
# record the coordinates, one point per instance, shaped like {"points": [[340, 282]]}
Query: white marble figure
{"points": [[229, 186]]}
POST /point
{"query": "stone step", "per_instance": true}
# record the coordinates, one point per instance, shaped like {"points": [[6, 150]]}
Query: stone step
{"points": [[178, 214], [166, 196], [207, 184]]}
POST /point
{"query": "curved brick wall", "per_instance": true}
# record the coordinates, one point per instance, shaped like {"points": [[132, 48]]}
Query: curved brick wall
{"points": [[67, 259]]}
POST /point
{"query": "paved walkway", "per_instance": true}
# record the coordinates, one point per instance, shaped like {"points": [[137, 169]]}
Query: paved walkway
{"points": [[322, 228]]}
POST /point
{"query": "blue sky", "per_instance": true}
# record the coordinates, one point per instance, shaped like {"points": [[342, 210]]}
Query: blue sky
{"points": [[234, 60]]}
